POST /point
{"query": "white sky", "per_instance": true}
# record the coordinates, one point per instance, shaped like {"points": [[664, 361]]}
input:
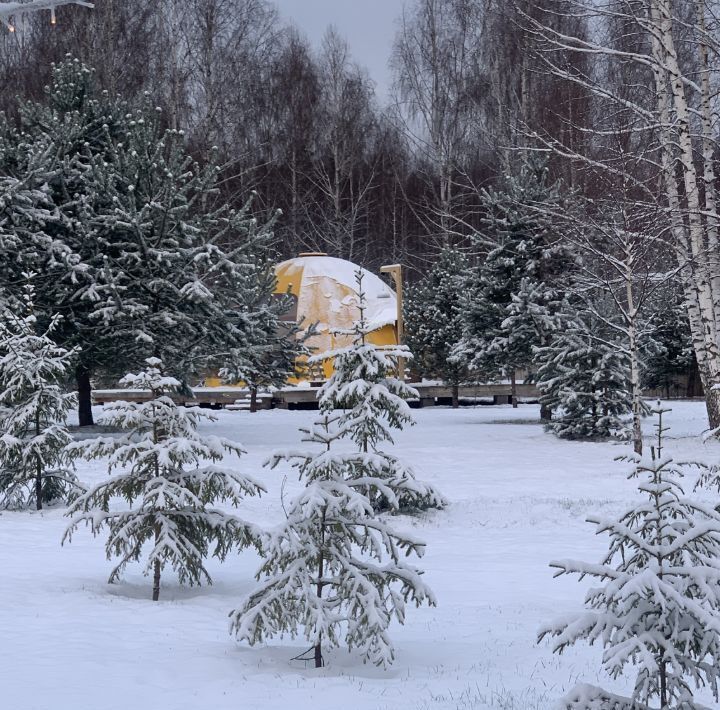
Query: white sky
{"points": [[368, 25]]}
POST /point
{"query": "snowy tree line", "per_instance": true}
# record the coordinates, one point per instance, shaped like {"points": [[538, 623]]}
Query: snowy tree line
{"points": [[478, 85], [364, 177], [639, 152], [585, 304]]}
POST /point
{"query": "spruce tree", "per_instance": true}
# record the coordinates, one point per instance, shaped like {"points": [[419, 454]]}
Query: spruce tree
{"points": [[583, 379], [35, 464], [669, 350], [270, 354], [139, 251], [194, 277], [62, 145], [525, 256], [170, 478], [656, 608], [434, 320], [334, 570]]}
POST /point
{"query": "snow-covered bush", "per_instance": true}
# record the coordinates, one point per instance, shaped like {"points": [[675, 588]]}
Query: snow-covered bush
{"points": [[35, 465], [167, 484], [335, 569], [657, 608]]}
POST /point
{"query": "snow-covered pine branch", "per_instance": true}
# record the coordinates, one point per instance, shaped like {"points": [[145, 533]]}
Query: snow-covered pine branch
{"points": [[35, 464], [170, 478], [335, 570], [657, 605]]}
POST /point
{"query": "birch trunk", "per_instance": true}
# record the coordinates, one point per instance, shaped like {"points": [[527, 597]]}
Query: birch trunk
{"points": [[319, 589], [688, 236], [708, 144]]}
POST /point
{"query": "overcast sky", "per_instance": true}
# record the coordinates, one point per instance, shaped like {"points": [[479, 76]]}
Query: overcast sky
{"points": [[368, 25]]}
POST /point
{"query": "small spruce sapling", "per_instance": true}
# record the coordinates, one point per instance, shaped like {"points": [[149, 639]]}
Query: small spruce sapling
{"points": [[168, 484], [35, 463], [658, 606], [335, 568]]}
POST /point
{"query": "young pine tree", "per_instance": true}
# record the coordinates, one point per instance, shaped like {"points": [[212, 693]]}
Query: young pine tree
{"points": [[170, 479], [35, 464], [670, 356], [269, 355], [534, 317], [335, 567], [657, 605]]}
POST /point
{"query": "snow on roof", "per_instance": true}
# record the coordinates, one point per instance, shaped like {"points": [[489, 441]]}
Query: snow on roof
{"points": [[381, 299]]}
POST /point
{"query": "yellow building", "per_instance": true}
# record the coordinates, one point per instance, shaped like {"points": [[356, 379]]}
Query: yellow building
{"points": [[324, 290]]}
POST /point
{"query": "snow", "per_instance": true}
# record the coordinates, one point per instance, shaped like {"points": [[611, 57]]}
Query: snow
{"points": [[518, 498]]}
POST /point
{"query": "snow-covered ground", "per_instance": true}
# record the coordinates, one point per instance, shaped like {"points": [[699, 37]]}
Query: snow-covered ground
{"points": [[519, 497]]}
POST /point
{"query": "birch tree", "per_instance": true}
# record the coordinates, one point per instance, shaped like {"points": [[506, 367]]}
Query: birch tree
{"points": [[673, 51], [436, 56]]}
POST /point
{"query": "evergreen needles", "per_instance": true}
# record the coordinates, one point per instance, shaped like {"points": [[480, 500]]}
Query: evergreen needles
{"points": [[169, 488], [35, 464], [658, 606], [335, 569]]}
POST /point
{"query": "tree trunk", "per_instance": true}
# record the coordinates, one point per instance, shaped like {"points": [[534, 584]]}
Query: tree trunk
{"points": [[712, 404], [38, 485], [663, 686], [635, 384], [545, 413], [319, 589], [513, 389], [692, 381], [38, 468], [156, 581], [708, 158], [156, 569], [253, 399], [688, 237], [82, 377], [455, 396]]}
